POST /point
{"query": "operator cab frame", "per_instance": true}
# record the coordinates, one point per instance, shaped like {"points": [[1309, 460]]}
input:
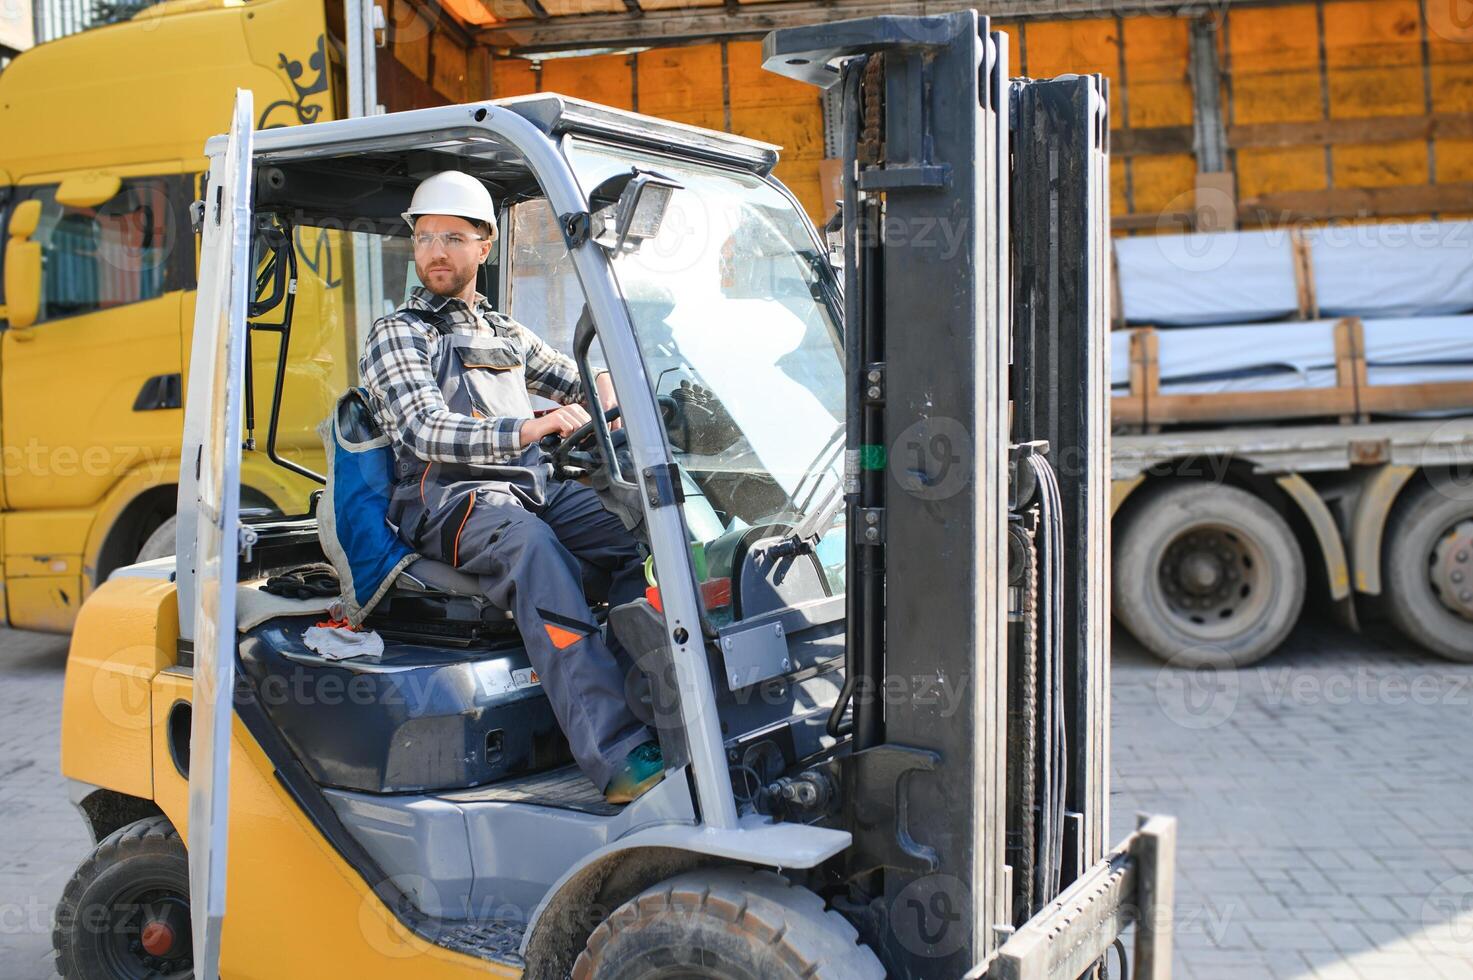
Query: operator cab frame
{"points": [[581, 160]]}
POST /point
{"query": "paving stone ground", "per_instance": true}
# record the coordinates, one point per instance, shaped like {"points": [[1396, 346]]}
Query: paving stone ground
{"points": [[1324, 802], [1324, 799], [42, 836]]}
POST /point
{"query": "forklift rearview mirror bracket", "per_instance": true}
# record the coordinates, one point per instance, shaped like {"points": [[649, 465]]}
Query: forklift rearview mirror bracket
{"points": [[629, 208]]}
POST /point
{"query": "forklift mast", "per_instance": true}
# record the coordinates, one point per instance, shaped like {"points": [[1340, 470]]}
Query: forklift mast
{"points": [[975, 214]]}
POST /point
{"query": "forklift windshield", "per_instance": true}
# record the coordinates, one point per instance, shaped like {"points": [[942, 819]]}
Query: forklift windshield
{"points": [[731, 305]]}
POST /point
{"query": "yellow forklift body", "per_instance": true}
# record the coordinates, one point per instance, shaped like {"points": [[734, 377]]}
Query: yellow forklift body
{"points": [[296, 908]]}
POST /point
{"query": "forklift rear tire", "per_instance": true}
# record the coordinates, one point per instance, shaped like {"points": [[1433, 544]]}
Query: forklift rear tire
{"points": [[1428, 555], [125, 913], [1206, 576], [726, 924]]}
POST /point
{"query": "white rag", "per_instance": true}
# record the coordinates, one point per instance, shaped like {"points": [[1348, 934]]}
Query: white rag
{"points": [[340, 643]]}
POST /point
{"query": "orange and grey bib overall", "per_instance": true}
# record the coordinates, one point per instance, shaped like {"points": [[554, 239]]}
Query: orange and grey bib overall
{"points": [[533, 541]]}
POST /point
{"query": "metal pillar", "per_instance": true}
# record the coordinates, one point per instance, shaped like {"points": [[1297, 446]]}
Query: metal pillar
{"points": [[925, 113], [361, 18]]}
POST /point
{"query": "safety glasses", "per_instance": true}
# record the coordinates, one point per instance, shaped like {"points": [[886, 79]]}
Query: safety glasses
{"points": [[450, 239]]}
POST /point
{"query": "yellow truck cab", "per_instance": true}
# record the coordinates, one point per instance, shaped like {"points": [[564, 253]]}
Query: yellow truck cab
{"points": [[99, 262]]}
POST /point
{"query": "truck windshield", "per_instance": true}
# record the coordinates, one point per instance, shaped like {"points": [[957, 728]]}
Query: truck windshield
{"points": [[729, 310]]}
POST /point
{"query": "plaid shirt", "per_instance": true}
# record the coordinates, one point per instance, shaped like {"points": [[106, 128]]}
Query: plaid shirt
{"points": [[397, 368]]}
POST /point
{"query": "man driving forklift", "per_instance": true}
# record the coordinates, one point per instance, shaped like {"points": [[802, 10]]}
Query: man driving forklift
{"points": [[449, 380]]}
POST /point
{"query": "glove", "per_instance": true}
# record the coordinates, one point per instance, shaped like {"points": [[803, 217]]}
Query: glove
{"points": [[701, 425]]}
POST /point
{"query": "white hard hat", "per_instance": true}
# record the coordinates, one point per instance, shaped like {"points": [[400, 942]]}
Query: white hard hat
{"points": [[454, 193]]}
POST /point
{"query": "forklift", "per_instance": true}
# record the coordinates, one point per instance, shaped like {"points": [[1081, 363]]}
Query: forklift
{"points": [[875, 503]]}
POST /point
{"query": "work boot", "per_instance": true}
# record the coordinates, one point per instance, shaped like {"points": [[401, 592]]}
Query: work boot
{"points": [[642, 769]]}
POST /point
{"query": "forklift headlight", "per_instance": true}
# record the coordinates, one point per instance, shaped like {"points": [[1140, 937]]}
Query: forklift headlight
{"points": [[636, 215]]}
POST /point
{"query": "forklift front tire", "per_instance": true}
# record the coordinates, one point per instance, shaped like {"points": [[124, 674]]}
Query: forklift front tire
{"points": [[125, 913], [726, 924]]}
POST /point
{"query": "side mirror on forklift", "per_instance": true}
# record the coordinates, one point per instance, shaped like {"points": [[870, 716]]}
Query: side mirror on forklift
{"points": [[23, 267], [639, 201], [833, 236]]}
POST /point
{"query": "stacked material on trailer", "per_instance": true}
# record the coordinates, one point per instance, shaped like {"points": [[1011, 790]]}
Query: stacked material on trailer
{"points": [[1371, 320], [1372, 270], [1272, 357], [1346, 368]]}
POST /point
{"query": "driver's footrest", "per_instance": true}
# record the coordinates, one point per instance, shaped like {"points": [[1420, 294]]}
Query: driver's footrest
{"points": [[566, 789], [498, 940]]}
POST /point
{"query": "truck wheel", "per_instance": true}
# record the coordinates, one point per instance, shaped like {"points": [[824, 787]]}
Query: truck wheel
{"points": [[125, 913], [727, 924], [1207, 576], [160, 543], [1428, 571]]}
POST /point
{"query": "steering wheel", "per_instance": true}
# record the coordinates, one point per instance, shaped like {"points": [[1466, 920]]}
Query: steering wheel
{"points": [[573, 455]]}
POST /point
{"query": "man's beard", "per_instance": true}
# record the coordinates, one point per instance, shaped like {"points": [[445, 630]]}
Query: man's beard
{"points": [[457, 282]]}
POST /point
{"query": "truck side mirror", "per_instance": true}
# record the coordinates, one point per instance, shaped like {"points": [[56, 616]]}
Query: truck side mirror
{"points": [[88, 190], [23, 266]]}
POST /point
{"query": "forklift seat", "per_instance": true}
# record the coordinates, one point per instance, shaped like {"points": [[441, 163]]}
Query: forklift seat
{"points": [[432, 601], [428, 575]]}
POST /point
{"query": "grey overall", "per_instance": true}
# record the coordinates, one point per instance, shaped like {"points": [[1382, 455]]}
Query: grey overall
{"points": [[535, 542]]}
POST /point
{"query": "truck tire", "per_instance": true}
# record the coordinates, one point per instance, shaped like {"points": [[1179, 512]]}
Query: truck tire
{"points": [[726, 924], [160, 543], [1427, 568], [1206, 576], [125, 913]]}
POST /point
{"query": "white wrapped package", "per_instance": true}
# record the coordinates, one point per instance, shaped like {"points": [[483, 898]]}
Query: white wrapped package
{"points": [[1196, 279], [1418, 350], [1247, 357], [1293, 356], [1421, 269]]}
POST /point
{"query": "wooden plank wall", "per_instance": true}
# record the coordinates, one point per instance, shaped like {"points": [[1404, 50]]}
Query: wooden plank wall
{"points": [[1351, 108], [719, 86], [1332, 108]]}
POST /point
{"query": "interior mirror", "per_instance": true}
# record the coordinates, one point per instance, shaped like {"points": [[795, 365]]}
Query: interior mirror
{"points": [[87, 190], [23, 266], [628, 209]]}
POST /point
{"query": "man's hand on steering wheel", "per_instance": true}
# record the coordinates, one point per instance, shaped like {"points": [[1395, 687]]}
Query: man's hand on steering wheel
{"points": [[561, 422]]}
